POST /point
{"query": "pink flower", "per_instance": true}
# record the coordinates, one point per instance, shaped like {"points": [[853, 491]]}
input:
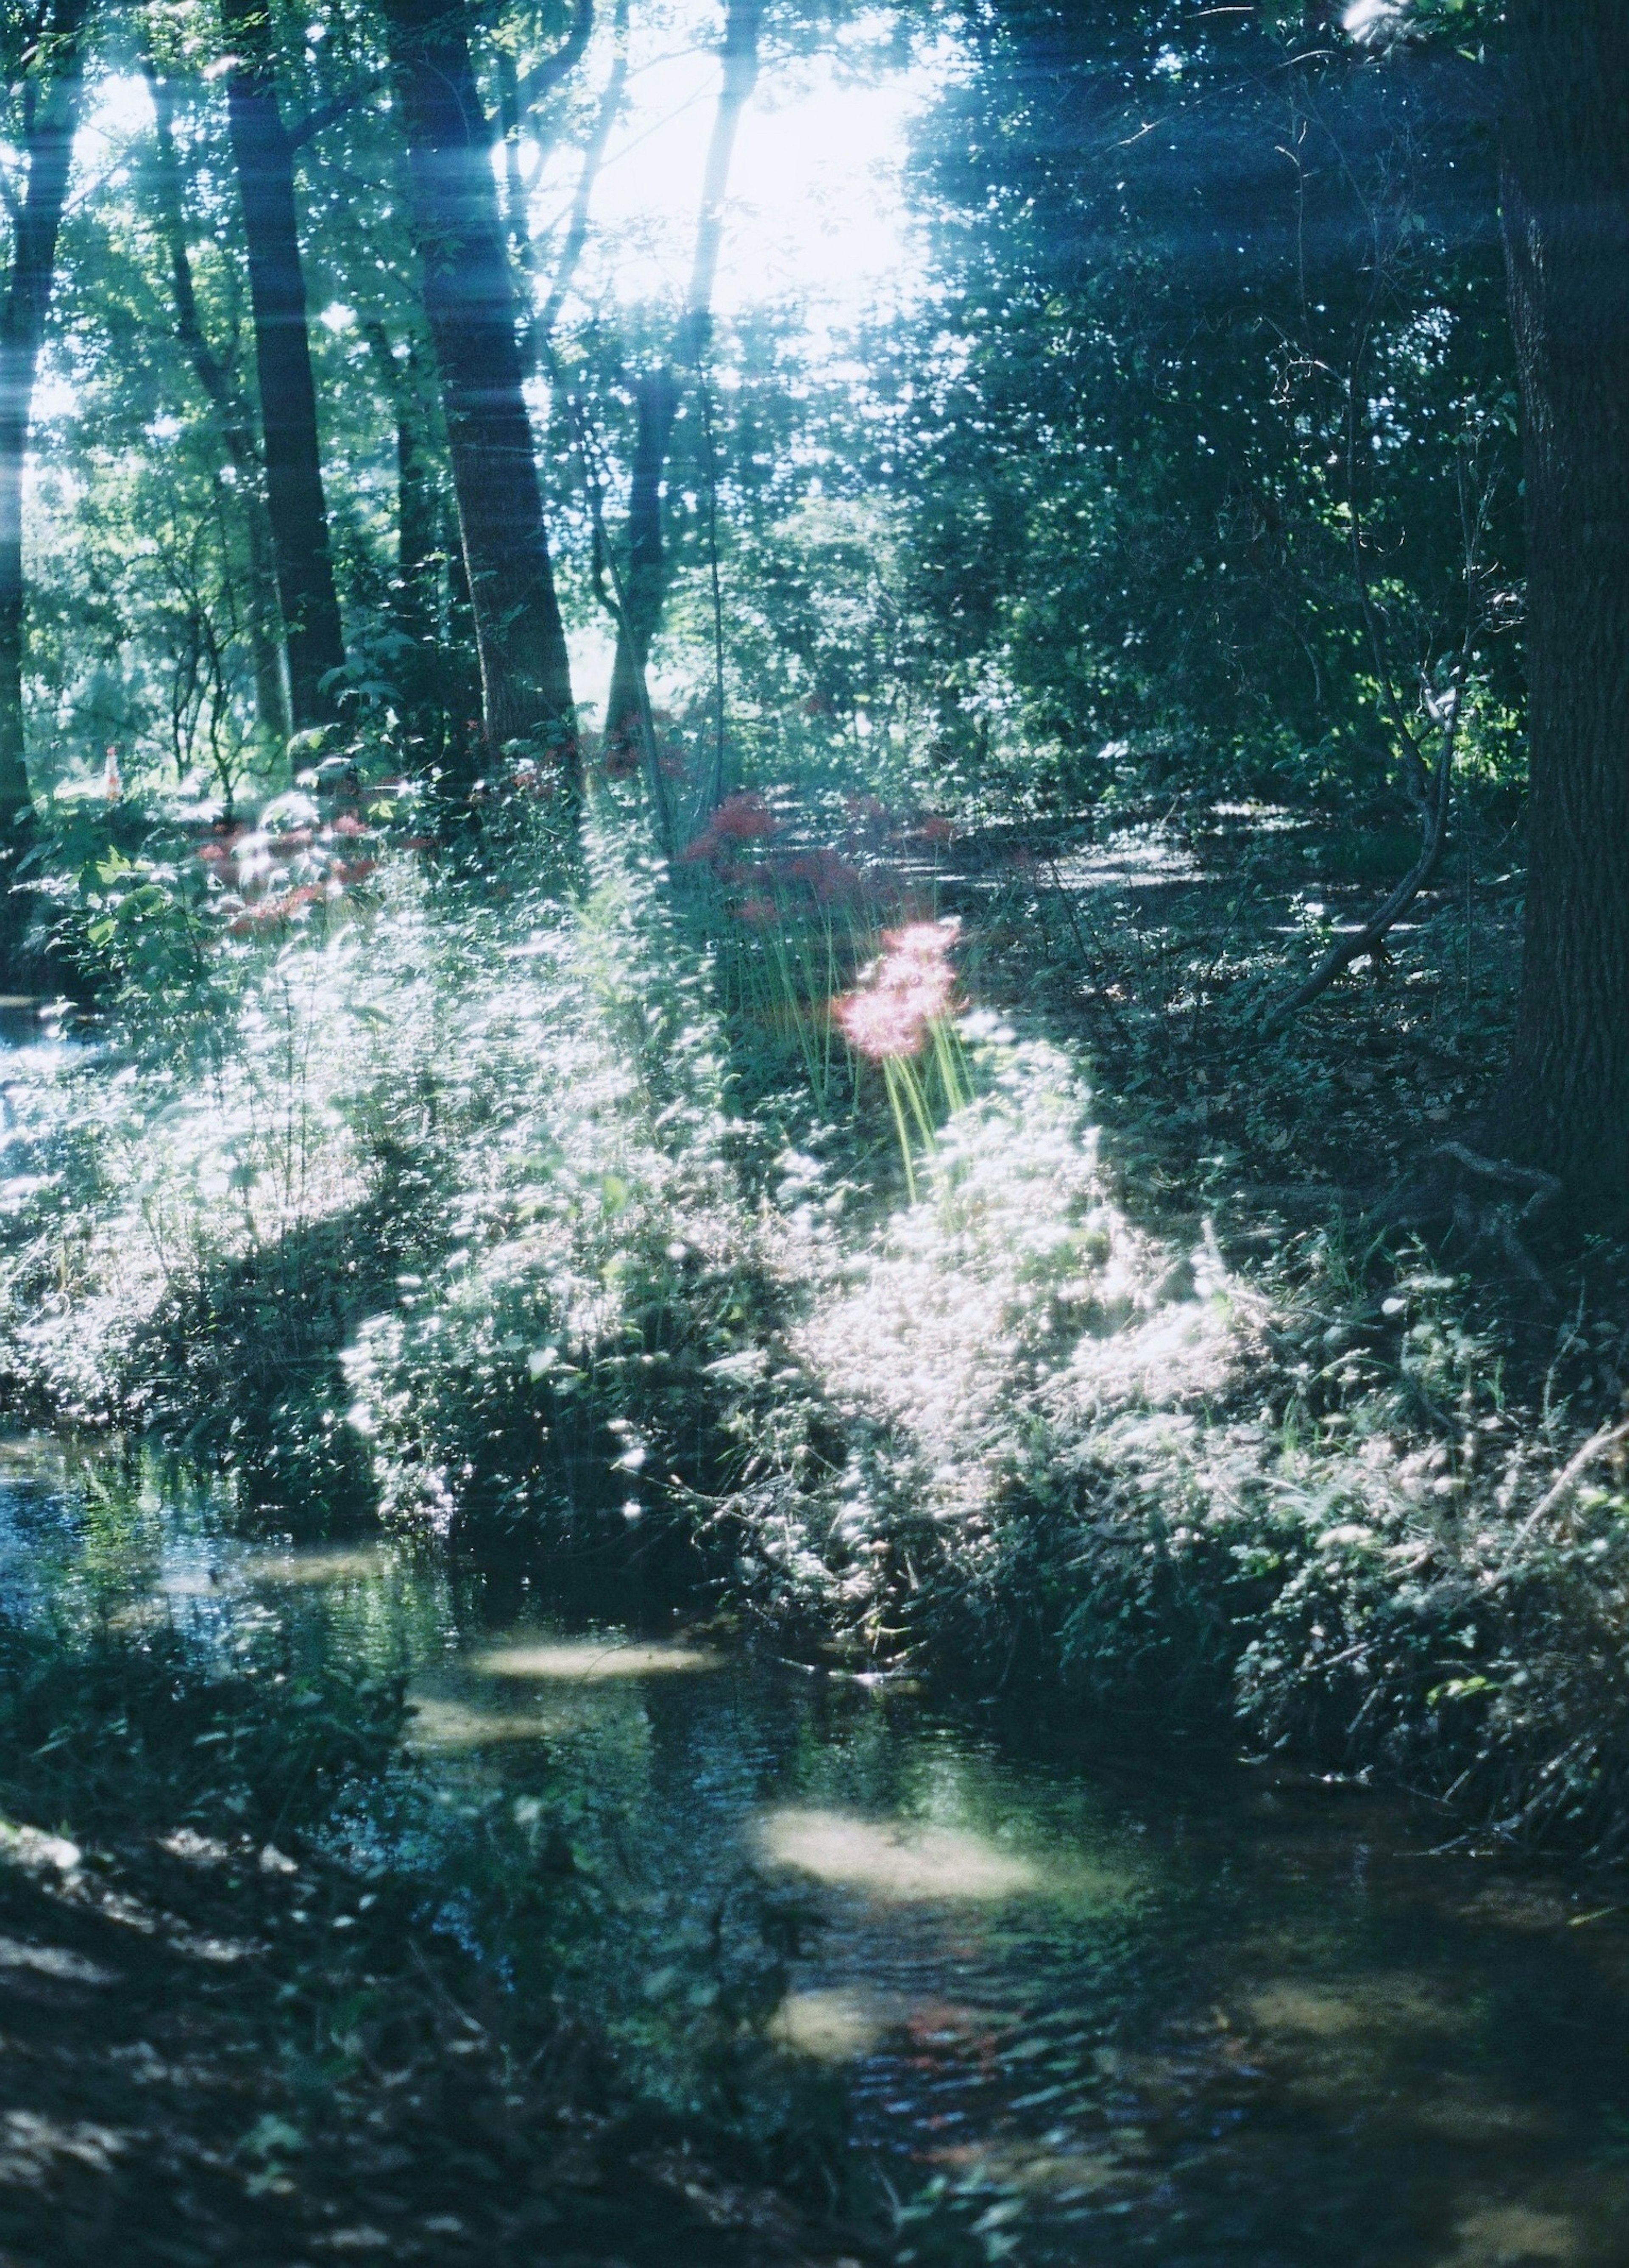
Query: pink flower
{"points": [[922, 943], [909, 989], [878, 1024]]}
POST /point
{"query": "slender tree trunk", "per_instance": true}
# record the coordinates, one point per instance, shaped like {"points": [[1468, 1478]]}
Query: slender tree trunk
{"points": [[588, 174], [1565, 1105], [470, 303], [264, 155], [412, 597], [51, 99], [656, 398], [234, 426]]}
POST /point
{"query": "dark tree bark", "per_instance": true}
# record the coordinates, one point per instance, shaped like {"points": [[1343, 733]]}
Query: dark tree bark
{"points": [[657, 394], [234, 426], [413, 595], [51, 103], [1565, 1105], [656, 402], [264, 154], [471, 307]]}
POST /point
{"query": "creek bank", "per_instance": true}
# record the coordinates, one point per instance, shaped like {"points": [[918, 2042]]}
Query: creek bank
{"points": [[480, 1208]]}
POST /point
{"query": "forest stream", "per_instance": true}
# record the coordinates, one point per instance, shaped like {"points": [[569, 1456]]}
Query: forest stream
{"points": [[1144, 2012]]}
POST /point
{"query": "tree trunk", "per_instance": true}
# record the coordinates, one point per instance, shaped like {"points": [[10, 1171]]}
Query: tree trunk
{"points": [[264, 155], [471, 307], [51, 99], [650, 569], [1566, 1104], [657, 401], [234, 428], [418, 551]]}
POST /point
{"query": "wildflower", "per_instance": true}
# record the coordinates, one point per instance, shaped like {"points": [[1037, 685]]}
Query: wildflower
{"points": [[935, 828], [880, 1025], [827, 874], [743, 819], [911, 987], [760, 913], [924, 943]]}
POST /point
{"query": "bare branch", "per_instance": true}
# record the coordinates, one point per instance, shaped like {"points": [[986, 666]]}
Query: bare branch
{"points": [[593, 159]]}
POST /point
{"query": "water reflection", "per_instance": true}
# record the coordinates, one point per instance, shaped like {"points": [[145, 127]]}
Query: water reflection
{"points": [[586, 1661], [893, 1860], [1203, 2018]]}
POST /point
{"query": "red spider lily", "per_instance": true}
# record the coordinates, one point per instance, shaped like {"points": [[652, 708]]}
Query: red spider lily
{"points": [[268, 914], [910, 988], [743, 819], [354, 870], [935, 828], [759, 913], [827, 874], [347, 823], [920, 943], [879, 1025]]}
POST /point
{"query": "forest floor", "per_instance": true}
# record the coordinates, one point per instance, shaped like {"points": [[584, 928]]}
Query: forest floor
{"points": [[1161, 939], [1158, 943]]}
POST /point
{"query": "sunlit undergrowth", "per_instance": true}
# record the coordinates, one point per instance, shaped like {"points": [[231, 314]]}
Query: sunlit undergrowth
{"points": [[474, 1204]]}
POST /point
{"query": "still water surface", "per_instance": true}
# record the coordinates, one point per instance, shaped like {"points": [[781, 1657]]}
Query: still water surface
{"points": [[1174, 2014]]}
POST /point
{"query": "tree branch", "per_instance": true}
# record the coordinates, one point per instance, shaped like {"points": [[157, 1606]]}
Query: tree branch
{"points": [[593, 158], [541, 80]]}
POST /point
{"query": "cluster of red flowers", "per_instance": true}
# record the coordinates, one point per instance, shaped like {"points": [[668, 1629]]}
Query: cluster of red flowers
{"points": [[254, 869], [739, 819], [909, 989]]}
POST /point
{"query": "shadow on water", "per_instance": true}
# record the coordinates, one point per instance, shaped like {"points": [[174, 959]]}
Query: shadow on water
{"points": [[1207, 2014]]}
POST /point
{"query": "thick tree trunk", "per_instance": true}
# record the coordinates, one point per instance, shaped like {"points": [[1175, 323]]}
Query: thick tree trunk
{"points": [[264, 155], [470, 303], [1565, 1105], [234, 427], [51, 103], [650, 568]]}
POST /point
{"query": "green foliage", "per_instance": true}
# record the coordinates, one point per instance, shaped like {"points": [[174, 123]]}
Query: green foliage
{"points": [[108, 1734]]}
